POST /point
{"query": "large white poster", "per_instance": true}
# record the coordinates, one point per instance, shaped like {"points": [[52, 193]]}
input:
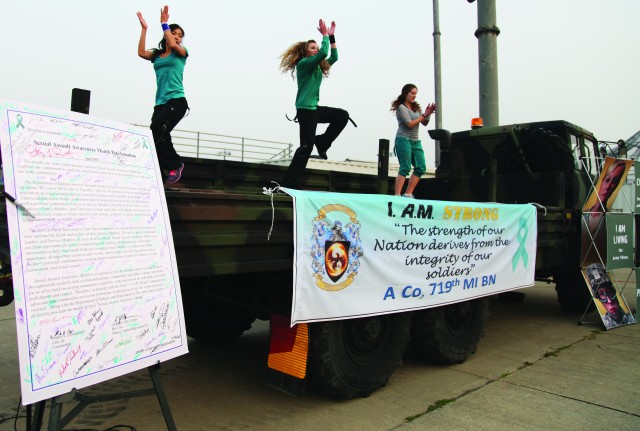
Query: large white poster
{"points": [[362, 255], [96, 284]]}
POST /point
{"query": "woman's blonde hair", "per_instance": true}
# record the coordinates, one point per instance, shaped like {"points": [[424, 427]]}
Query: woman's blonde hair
{"points": [[296, 52]]}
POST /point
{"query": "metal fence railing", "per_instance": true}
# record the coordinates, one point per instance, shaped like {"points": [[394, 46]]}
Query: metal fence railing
{"points": [[213, 146]]}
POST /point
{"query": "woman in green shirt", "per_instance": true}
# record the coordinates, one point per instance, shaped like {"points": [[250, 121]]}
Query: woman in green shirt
{"points": [[171, 105], [311, 64]]}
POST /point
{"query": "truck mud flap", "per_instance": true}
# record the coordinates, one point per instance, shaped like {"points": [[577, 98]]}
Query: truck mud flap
{"points": [[288, 353]]}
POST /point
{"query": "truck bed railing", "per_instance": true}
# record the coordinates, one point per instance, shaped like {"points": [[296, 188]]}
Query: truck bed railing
{"points": [[203, 145]]}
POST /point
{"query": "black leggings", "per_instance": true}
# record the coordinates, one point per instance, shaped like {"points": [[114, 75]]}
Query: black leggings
{"points": [[309, 120], [165, 117]]}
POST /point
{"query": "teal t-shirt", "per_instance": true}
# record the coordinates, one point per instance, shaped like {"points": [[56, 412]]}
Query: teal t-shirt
{"points": [[169, 71], [309, 76]]}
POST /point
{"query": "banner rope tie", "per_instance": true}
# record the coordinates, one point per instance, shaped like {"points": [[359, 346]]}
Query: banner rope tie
{"points": [[270, 191], [537, 205]]}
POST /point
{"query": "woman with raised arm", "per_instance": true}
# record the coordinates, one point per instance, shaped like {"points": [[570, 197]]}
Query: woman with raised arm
{"points": [[408, 146], [311, 64], [171, 105]]}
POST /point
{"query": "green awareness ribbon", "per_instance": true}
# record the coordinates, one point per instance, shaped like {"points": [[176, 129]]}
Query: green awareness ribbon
{"points": [[19, 117], [521, 252]]}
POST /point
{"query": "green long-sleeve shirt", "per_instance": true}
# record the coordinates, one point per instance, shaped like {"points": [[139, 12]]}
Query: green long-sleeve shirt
{"points": [[309, 76]]}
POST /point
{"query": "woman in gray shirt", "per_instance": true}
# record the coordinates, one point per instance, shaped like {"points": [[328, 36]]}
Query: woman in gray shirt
{"points": [[408, 147]]}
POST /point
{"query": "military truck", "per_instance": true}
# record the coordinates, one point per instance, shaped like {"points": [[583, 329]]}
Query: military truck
{"points": [[233, 272], [553, 164]]}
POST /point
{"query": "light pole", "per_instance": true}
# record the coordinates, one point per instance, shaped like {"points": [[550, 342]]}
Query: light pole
{"points": [[437, 72], [487, 34]]}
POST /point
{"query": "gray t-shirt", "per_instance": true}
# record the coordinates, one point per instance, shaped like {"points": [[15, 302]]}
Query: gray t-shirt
{"points": [[404, 115]]}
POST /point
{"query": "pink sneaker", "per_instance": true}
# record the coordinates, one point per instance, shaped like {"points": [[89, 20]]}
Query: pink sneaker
{"points": [[175, 174]]}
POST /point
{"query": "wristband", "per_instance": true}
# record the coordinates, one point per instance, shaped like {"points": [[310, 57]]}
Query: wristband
{"points": [[332, 39], [165, 27]]}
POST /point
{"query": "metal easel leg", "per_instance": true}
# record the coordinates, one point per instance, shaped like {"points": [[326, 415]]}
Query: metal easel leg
{"points": [[55, 415], [57, 421], [162, 399], [38, 415]]}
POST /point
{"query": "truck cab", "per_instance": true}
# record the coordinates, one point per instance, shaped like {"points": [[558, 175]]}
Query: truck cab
{"points": [[552, 164]]}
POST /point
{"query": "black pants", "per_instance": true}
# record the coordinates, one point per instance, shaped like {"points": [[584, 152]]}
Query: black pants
{"points": [[164, 119], [308, 121]]}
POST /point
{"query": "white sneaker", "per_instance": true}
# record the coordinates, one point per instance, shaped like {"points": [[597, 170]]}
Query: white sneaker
{"points": [[407, 195]]}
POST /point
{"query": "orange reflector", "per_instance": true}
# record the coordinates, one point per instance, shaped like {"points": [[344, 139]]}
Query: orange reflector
{"points": [[476, 123], [288, 347]]}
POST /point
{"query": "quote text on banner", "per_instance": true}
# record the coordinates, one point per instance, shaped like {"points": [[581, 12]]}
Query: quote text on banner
{"points": [[360, 255]]}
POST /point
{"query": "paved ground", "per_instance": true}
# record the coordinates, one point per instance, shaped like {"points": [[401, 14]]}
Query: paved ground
{"points": [[535, 369]]}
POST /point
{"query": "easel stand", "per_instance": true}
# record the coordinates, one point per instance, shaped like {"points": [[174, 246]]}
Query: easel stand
{"points": [[57, 422], [582, 320]]}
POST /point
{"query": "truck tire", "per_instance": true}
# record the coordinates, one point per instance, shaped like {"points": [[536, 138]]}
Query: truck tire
{"points": [[6, 295], [351, 358], [211, 322], [573, 293], [6, 287], [449, 334]]}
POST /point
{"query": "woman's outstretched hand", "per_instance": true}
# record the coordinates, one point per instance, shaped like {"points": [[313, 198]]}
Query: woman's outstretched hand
{"points": [[332, 29], [322, 28], [143, 23], [164, 14]]}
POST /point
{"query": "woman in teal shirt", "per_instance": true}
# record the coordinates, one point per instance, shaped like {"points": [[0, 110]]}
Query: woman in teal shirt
{"points": [[171, 105], [311, 65]]}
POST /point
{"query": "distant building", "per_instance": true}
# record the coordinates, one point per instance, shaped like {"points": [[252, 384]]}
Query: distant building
{"points": [[633, 147]]}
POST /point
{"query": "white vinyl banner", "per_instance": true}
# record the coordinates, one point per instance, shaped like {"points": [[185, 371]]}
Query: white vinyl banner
{"points": [[364, 255]]}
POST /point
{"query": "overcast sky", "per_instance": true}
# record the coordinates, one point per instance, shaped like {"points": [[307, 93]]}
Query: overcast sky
{"points": [[575, 60]]}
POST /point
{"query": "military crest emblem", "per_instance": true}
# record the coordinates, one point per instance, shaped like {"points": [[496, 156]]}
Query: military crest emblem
{"points": [[336, 247]]}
